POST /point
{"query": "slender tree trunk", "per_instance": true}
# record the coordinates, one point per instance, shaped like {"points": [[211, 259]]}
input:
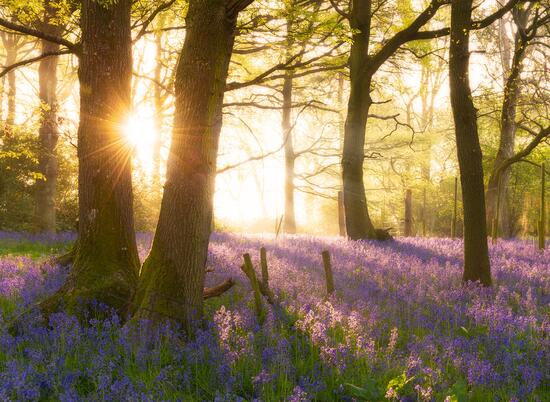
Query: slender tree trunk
{"points": [[10, 42], [157, 92], [44, 215], [507, 134], [106, 262], [172, 278], [289, 223], [408, 213], [476, 255], [358, 222], [2, 85]]}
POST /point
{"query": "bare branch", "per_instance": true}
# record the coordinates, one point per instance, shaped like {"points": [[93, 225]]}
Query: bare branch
{"points": [[73, 47], [218, 290], [25, 62], [151, 18]]}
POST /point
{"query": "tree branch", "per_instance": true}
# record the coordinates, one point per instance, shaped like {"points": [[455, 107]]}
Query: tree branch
{"points": [[73, 47], [234, 7], [21, 63], [151, 17], [218, 290], [541, 135], [475, 24]]}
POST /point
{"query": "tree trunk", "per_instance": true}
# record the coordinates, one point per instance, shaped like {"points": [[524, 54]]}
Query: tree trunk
{"points": [[476, 256], [408, 213], [158, 99], [358, 222], [44, 215], [507, 134], [10, 42], [106, 262], [289, 224], [172, 278]]}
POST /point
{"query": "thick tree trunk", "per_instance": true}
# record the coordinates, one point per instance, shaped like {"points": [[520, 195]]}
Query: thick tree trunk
{"points": [[476, 256], [45, 190], [172, 278], [358, 222], [507, 136], [106, 262], [289, 224]]}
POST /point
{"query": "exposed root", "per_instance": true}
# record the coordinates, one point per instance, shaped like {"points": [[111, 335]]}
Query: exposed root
{"points": [[383, 234]]}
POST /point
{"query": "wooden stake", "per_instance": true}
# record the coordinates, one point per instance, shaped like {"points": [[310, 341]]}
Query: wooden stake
{"points": [[424, 212], [341, 214], [248, 269], [408, 213], [542, 221], [278, 227], [263, 263], [453, 223], [328, 272], [264, 284]]}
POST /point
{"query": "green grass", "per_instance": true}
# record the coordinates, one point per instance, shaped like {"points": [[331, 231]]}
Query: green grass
{"points": [[32, 250]]}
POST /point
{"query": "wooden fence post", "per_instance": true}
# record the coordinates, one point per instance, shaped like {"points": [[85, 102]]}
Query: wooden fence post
{"points": [[542, 222], [424, 212], [341, 214], [248, 269], [263, 263], [408, 213], [453, 223], [278, 226], [328, 272]]}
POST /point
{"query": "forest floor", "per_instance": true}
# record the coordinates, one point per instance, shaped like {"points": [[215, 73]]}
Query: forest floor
{"points": [[400, 326]]}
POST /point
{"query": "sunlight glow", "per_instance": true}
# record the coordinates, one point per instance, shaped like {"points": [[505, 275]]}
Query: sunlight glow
{"points": [[141, 133]]}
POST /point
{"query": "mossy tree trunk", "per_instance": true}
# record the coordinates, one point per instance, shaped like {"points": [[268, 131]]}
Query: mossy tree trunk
{"points": [[476, 255], [358, 222], [363, 67], [105, 258], [172, 278]]}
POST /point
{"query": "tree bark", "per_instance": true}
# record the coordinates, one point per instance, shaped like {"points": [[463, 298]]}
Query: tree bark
{"points": [[45, 190], [358, 222], [408, 213], [11, 42], [106, 261], [158, 100], [507, 133], [476, 255], [172, 277], [289, 224]]}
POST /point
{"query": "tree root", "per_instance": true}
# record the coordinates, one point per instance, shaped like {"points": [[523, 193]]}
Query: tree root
{"points": [[383, 234]]}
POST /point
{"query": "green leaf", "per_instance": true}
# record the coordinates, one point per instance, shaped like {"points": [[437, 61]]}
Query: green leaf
{"points": [[460, 391], [370, 392], [399, 382]]}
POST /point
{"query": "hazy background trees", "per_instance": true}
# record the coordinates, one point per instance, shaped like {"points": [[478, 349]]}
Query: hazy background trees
{"points": [[413, 150], [317, 97]]}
